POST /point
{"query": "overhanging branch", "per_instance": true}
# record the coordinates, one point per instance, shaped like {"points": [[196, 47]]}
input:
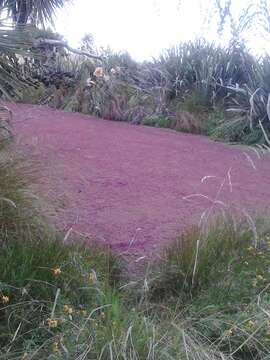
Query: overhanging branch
{"points": [[64, 44]]}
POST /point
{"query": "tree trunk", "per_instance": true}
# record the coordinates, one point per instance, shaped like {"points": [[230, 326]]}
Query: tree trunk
{"points": [[22, 12]]}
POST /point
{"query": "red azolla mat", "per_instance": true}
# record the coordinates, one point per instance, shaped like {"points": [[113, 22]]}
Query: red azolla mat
{"points": [[134, 187]]}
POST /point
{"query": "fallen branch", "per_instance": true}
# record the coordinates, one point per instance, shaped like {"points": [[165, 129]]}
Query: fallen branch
{"points": [[64, 44]]}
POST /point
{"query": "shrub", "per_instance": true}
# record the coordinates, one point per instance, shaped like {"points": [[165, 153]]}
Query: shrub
{"points": [[211, 123], [33, 94], [157, 121]]}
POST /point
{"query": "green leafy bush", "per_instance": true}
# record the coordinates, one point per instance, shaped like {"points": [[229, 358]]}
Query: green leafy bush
{"points": [[157, 121], [195, 77]]}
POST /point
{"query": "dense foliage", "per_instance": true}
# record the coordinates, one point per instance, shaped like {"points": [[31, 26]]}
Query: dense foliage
{"points": [[197, 87], [36, 11]]}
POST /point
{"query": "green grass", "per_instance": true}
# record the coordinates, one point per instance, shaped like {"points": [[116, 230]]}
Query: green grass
{"points": [[157, 121], [197, 258], [33, 272], [219, 281]]}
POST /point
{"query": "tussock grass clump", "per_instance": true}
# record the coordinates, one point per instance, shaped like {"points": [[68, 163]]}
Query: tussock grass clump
{"points": [[197, 258], [218, 280], [157, 121]]}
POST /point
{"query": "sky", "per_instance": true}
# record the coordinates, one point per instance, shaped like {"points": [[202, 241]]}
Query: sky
{"points": [[142, 27]]}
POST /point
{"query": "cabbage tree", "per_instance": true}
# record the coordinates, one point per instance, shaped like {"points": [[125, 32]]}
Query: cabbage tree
{"points": [[34, 11]]}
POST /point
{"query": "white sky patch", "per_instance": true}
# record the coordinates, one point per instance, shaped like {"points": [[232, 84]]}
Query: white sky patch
{"points": [[142, 27]]}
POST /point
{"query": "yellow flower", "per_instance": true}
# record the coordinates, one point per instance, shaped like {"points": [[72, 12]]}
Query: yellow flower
{"points": [[93, 277], [56, 349], [99, 72], [103, 316], [52, 323], [25, 357], [229, 332], [250, 324], [260, 278], [68, 309], [56, 271], [5, 299]]}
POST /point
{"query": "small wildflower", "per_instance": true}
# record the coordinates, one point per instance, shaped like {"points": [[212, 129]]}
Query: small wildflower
{"points": [[99, 72], [25, 357], [229, 332], [93, 277], [250, 248], [251, 324], [245, 263], [84, 312], [260, 253], [103, 316], [56, 349], [5, 299], [260, 277], [52, 323], [56, 271], [90, 82], [68, 309], [24, 291]]}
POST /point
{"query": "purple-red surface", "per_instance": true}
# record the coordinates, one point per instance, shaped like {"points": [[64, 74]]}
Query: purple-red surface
{"points": [[131, 186]]}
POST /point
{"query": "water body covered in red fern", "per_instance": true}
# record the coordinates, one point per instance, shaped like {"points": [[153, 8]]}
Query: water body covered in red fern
{"points": [[130, 186]]}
